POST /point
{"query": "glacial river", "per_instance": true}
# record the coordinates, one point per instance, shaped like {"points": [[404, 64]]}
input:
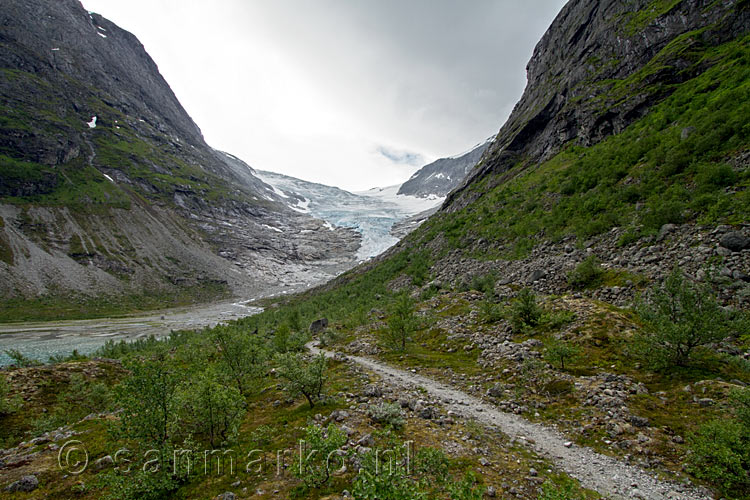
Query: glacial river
{"points": [[41, 340], [371, 213]]}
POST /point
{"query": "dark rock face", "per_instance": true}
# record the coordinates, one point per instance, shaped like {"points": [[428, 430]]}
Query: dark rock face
{"points": [[134, 201], [442, 176], [592, 42]]}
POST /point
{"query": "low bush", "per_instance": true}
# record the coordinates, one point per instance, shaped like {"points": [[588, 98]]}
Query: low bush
{"points": [[8, 404], [720, 449], [388, 414], [587, 274]]}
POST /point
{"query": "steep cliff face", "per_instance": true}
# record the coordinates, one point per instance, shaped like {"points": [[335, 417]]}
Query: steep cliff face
{"points": [[630, 141], [442, 176], [601, 66], [108, 187]]}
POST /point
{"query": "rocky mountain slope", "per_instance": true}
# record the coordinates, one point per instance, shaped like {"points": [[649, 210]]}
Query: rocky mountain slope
{"points": [[442, 176], [109, 189]]}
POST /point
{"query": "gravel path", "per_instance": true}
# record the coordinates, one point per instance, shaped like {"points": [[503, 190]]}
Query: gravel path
{"points": [[607, 475]]}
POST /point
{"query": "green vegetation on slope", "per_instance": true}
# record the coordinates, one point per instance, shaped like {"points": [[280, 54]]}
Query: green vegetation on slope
{"points": [[673, 165]]}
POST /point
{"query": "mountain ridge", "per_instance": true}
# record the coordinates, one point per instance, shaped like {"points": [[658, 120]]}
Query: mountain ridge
{"points": [[92, 138], [443, 175]]}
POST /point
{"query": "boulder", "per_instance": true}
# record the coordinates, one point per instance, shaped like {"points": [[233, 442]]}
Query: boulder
{"points": [[734, 241], [25, 484], [319, 325]]}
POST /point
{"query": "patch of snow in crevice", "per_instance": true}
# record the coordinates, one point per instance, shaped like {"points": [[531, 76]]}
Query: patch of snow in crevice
{"points": [[55, 49], [272, 228], [92, 123], [108, 178], [329, 226], [101, 35]]}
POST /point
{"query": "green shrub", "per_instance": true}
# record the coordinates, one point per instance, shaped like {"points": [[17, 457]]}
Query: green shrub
{"points": [[8, 405], [330, 337], [319, 458], [432, 462], [419, 268], [302, 376], [83, 397], [386, 482], [466, 489], [557, 319], [261, 436], [678, 317], [525, 312], [587, 274], [20, 359], [484, 283], [388, 414], [489, 311], [720, 454]]}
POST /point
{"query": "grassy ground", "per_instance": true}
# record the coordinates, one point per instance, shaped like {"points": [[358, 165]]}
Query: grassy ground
{"points": [[273, 423]]}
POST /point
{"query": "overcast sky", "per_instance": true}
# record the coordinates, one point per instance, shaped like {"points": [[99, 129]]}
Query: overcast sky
{"points": [[351, 93]]}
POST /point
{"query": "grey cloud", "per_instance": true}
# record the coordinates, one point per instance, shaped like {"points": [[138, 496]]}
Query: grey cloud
{"points": [[401, 157]]}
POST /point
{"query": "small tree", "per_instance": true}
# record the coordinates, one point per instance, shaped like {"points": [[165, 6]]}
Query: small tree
{"points": [[678, 317], [243, 356], [525, 311], [211, 408], [559, 351], [147, 398], [302, 376], [402, 322]]}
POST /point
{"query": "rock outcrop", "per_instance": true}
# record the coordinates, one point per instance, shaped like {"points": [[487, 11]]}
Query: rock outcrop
{"points": [[586, 78]]}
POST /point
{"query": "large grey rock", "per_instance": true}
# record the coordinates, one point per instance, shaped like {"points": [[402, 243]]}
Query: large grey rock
{"points": [[319, 325], [25, 484], [734, 241]]}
